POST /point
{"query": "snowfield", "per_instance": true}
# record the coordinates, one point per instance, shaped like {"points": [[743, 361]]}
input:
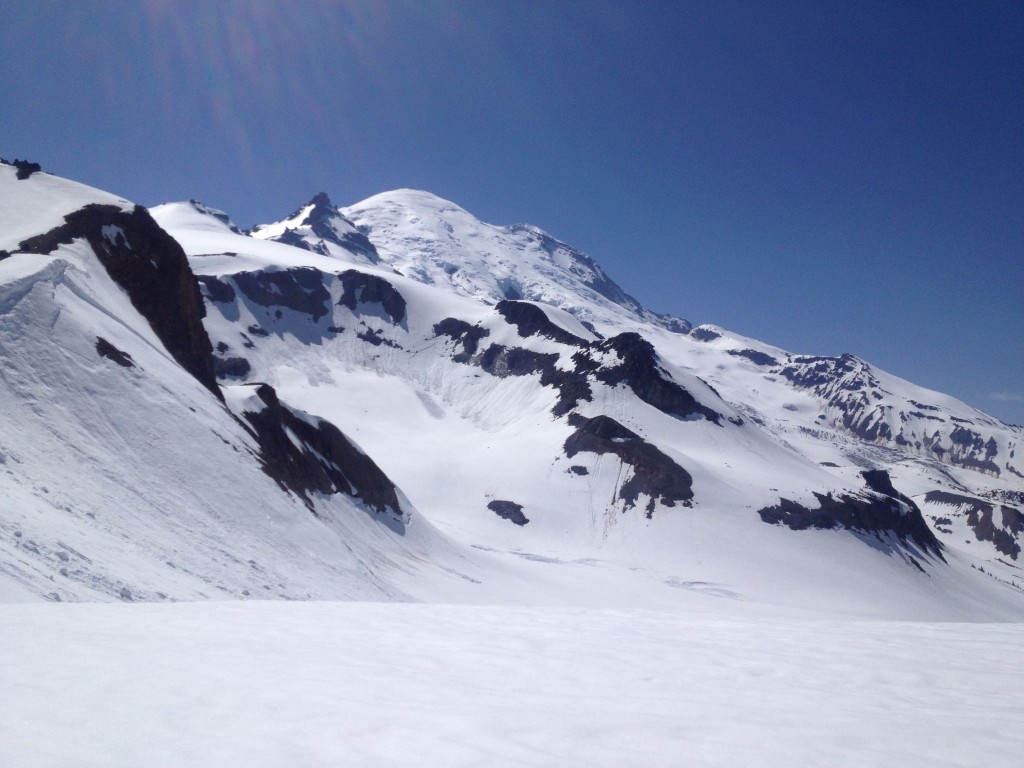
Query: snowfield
{"points": [[367, 684]]}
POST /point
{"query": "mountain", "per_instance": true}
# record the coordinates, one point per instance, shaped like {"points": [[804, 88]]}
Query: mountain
{"points": [[126, 471], [395, 400], [436, 242]]}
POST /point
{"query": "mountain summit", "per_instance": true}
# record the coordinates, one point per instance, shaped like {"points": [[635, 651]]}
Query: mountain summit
{"points": [[437, 242], [318, 226]]}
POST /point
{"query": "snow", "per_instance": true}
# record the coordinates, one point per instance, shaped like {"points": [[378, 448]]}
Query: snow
{"points": [[39, 203], [328, 684], [439, 243], [278, 228]]}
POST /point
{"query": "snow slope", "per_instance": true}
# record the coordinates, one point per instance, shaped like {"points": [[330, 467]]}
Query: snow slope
{"points": [[564, 447], [123, 477], [488, 416], [328, 684], [436, 242]]}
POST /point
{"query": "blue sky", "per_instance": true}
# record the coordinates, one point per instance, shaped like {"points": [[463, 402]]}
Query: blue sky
{"points": [[827, 177]]}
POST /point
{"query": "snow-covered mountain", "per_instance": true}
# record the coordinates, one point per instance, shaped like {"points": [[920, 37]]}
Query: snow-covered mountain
{"points": [[397, 400]]}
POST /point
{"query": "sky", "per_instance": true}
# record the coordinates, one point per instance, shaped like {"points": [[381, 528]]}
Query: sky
{"points": [[825, 176]]}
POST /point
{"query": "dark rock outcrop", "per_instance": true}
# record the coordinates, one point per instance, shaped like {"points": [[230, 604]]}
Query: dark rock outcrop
{"points": [[980, 516], [25, 169], [639, 369], [757, 358], [231, 367], [701, 333], [362, 288], [217, 289], [654, 473], [220, 216], [151, 267], [863, 408], [300, 289], [531, 320], [499, 360], [105, 349], [461, 332], [325, 463], [508, 510], [884, 512]]}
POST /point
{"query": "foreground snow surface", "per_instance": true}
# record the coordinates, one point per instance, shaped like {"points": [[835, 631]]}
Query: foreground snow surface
{"points": [[369, 684]]}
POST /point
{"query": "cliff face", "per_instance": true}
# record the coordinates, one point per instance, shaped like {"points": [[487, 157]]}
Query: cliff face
{"points": [[152, 268]]}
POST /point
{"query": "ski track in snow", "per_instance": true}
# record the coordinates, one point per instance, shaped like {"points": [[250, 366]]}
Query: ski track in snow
{"points": [[330, 684]]}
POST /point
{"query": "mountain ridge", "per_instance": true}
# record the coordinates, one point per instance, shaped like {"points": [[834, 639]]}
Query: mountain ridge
{"points": [[633, 452]]}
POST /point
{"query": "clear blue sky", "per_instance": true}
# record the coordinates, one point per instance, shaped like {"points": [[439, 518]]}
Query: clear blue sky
{"points": [[826, 176]]}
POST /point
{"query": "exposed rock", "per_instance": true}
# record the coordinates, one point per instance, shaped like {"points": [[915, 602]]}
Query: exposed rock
{"points": [[641, 372], [362, 288], [704, 334], [24, 168], [638, 366], [152, 268], [654, 473], [219, 215], [319, 221], [461, 331], [980, 516], [499, 360], [880, 514], [232, 367], [325, 463], [216, 289], [322, 220], [757, 358], [300, 289], [971, 451], [508, 510], [109, 351], [848, 385], [531, 320], [376, 337]]}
